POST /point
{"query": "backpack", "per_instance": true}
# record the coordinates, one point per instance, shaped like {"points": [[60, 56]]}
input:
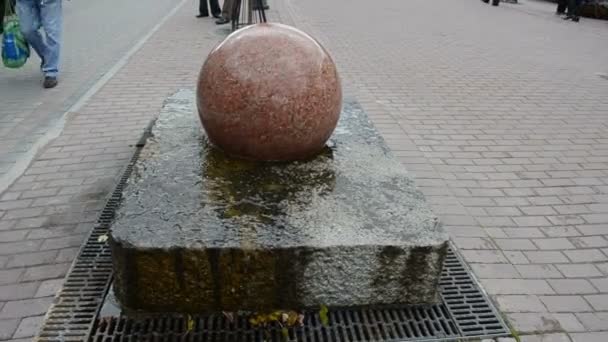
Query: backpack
{"points": [[15, 49]]}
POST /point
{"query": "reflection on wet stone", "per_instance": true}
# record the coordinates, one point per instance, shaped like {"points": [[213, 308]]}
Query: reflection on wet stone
{"points": [[262, 192], [199, 231]]}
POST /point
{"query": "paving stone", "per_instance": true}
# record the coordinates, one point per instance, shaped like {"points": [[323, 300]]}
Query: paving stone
{"points": [[572, 286], [565, 303], [603, 267], [516, 258], [569, 322], [484, 256], [590, 337], [10, 248], [63, 242], [589, 241], [495, 271], [18, 291], [474, 243], [67, 254], [49, 288], [542, 271], [516, 286], [585, 255], [545, 338], [506, 339], [46, 272], [554, 243], [515, 244], [531, 221], [520, 303], [522, 233], [29, 327], [592, 229], [7, 328], [578, 270], [562, 220], [600, 283], [593, 321], [23, 213], [10, 205], [12, 235], [599, 302], [546, 257], [533, 322], [25, 308], [561, 232], [10, 276], [31, 259]]}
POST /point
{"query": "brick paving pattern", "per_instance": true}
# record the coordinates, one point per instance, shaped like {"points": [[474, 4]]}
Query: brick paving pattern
{"points": [[46, 213], [96, 34], [499, 113]]}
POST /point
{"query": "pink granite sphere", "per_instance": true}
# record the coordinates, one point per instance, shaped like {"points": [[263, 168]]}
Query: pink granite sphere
{"points": [[269, 92]]}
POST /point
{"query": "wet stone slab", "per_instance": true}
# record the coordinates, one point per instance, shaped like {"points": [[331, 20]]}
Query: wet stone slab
{"points": [[199, 231]]}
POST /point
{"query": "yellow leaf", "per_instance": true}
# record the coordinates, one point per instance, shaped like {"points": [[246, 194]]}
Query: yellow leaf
{"points": [[292, 318], [190, 323], [275, 316], [323, 315]]}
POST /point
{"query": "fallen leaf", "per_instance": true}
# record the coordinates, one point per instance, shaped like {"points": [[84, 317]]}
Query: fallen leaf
{"points": [[323, 315], [190, 323], [102, 238]]}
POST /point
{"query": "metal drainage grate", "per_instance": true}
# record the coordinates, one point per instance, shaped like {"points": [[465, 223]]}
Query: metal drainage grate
{"points": [[75, 309], [464, 312]]}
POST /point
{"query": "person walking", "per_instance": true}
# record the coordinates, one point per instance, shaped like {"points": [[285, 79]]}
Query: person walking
{"points": [[45, 14], [203, 9]]}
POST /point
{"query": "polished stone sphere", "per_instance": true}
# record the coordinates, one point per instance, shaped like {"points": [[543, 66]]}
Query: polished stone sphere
{"points": [[269, 92]]}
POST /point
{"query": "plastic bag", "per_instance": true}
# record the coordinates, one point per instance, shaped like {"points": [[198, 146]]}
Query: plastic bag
{"points": [[15, 49]]}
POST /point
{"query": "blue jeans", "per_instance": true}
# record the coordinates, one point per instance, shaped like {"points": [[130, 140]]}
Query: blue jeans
{"points": [[45, 14]]}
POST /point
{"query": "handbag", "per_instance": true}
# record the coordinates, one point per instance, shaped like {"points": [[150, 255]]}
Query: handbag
{"points": [[15, 49]]}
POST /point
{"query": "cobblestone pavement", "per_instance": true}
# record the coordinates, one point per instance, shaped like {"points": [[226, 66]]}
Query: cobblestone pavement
{"points": [[96, 35], [499, 113], [47, 212]]}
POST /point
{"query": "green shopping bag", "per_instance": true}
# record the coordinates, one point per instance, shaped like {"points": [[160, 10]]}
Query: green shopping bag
{"points": [[15, 49]]}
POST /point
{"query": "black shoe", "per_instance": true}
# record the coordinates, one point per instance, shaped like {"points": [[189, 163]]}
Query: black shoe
{"points": [[486, 1], [222, 21], [560, 13], [567, 17], [50, 82], [494, 3], [575, 19], [217, 15], [202, 15]]}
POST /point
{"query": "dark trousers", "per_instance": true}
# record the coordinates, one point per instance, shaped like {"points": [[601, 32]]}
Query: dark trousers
{"points": [[573, 6], [561, 6], [204, 10]]}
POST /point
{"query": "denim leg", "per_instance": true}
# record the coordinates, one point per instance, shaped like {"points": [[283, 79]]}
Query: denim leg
{"points": [[29, 21], [52, 22]]}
